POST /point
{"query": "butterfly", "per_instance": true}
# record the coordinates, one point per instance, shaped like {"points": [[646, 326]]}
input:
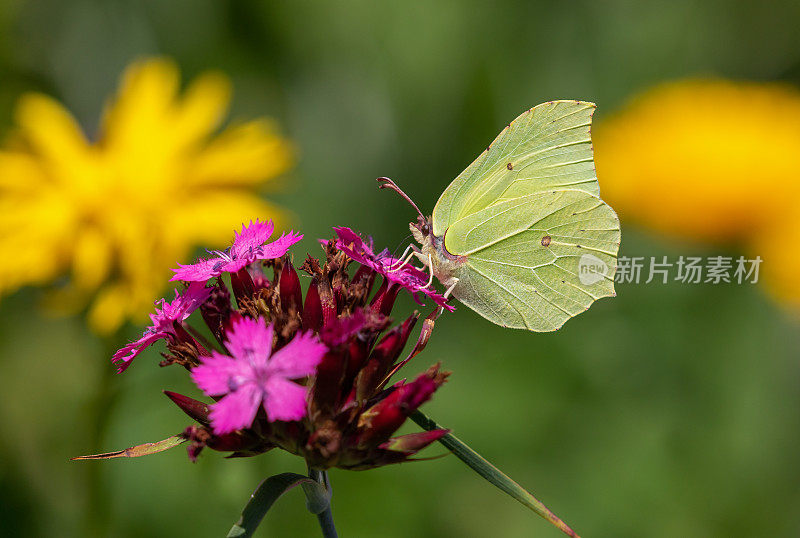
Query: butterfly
{"points": [[521, 236]]}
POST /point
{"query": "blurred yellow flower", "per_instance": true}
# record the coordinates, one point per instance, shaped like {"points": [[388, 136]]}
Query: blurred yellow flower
{"points": [[711, 160], [117, 213]]}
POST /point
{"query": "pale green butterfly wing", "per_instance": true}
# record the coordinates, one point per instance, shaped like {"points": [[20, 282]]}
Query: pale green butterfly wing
{"points": [[548, 146], [540, 246], [535, 261]]}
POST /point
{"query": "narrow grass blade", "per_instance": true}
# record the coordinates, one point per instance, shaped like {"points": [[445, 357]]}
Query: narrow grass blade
{"points": [[492, 473], [138, 450], [268, 492]]}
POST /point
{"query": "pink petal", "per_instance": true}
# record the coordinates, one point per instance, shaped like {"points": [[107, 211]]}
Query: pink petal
{"points": [[279, 247], [125, 355], [350, 238], [181, 307], [220, 374], [284, 400], [414, 280], [298, 358], [250, 340], [248, 246], [236, 410], [201, 271], [356, 248], [251, 238], [188, 301]]}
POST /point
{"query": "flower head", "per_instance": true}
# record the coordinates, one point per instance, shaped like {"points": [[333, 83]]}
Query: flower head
{"points": [[311, 375], [396, 272], [248, 247], [252, 375], [713, 161], [93, 209], [165, 322], [704, 159]]}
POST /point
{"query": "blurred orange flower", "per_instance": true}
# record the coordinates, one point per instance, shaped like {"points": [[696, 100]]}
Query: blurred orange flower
{"points": [[117, 213], [711, 160]]}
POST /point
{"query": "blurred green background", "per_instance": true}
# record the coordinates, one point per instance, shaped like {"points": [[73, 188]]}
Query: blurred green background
{"points": [[671, 410]]}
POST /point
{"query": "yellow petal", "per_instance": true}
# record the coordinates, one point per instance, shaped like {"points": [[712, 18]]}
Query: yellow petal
{"points": [[209, 219], [242, 155], [51, 131], [20, 172], [138, 120], [35, 232], [108, 311], [202, 109], [91, 260], [781, 259]]}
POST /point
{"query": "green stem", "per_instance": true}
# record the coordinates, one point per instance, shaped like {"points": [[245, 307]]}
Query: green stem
{"points": [[326, 517]]}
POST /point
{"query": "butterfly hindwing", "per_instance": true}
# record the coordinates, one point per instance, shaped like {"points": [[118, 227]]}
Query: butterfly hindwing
{"points": [[525, 257]]}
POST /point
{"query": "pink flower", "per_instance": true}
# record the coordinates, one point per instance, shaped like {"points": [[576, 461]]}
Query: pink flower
{"points": [[163, 322], [252, 375], [248, 246], [409, 277]]}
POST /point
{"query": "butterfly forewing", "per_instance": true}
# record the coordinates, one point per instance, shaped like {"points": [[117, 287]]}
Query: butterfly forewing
{"points": [[545, 147]]}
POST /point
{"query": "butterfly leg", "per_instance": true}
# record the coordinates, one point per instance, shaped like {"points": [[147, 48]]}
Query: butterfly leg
{"points": [[405, 252], [430, 268], [450, 289], [427, 262], [402, 260]]}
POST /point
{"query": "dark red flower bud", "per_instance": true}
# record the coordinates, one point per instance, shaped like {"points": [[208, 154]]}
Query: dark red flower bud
{"points": [[383, 356], [385, 417], [413, 442], [385, 297], [327, 388], [289, 286], [217, 309], [312, 309], [241, 443], [195, 409], [238, 441], [182, 336], [242, 284], [328, 300], [424, 335], [389, 348], [358, 353]]}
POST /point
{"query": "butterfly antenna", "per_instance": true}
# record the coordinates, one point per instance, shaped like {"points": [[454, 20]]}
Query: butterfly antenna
{"points": [[386, 183], [400, 245]]}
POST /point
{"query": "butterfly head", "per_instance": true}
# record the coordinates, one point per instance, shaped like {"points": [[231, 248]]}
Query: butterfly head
{"points": [[422, 230]]}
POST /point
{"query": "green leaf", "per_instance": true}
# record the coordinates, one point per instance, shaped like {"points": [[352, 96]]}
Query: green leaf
{"points": [[491, 473], [138, 450], [317, 500]]}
